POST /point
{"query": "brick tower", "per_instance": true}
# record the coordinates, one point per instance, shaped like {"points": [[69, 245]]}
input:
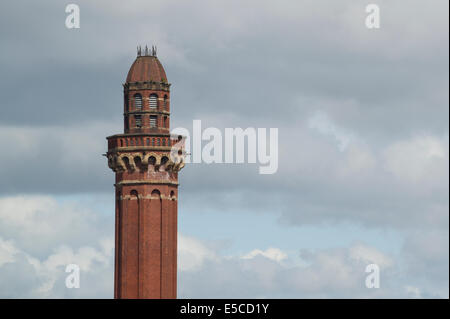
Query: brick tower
{"points": [[146, 185]]}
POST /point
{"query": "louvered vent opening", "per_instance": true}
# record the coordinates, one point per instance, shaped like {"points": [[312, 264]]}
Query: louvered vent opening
{"points": [[153, 119], [138, 102], [153, 101], [138, 120], [165, 102]]}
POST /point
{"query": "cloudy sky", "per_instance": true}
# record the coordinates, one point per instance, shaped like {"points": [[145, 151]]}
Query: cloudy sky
{"points": [[363, 145]]}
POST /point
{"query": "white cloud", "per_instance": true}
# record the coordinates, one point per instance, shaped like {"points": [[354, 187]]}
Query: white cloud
{"points": [[7, 251], [271, 253], [412, 291], [32, 271], [328, 273], [40, 223], [370, 255], [324, 125], [192, 253], [40, 237], [420, 159]]}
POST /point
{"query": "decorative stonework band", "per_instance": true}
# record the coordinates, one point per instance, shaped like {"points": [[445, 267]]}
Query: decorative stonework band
{"points": [[143, 161]]}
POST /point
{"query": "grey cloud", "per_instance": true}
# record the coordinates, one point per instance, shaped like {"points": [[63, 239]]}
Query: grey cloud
{"points": [[55, 159], [224, 60], [258, 65]]}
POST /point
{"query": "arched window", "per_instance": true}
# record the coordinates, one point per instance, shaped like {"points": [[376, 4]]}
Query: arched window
{"points": [[134, 193], [165, 121], [126, 102], [138, 161], [165, 103], [138, 120], [151, 160], [126, 161], [138, 102], [126, 123], [153, 101], [153, 121], [156, 193]]}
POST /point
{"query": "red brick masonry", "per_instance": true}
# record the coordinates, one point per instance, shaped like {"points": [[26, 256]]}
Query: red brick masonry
{"points": [[146, 187]]}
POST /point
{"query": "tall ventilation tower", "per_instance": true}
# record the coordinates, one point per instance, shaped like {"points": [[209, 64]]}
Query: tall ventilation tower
{"points": [[146, 168]]}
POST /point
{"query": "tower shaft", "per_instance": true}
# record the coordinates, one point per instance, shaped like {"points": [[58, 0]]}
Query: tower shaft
{"points": [[146, 241]]}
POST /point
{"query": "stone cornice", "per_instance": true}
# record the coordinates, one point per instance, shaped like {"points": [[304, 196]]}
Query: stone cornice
{"points": [[147, 182], [143, 161], [154, 86], [140, 196], [148, 111], [139, 148]]}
